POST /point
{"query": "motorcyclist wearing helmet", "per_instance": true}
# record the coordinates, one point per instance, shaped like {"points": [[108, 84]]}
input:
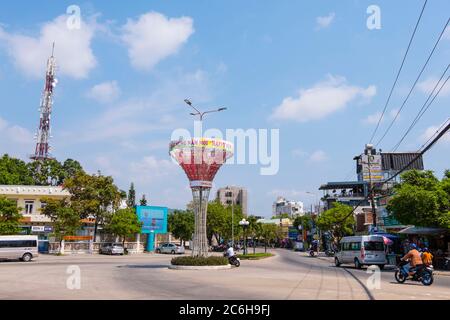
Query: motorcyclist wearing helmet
{"points": [[414, 258], [230, 251]]}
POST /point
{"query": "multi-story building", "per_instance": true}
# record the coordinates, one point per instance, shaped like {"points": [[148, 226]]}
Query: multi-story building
{"points": [[283, 206], [233, 195], [372, 168], [30, 201]]}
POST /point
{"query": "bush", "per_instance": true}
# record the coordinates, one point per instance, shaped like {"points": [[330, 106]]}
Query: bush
{"points": [[255, 256], [199, 261]]}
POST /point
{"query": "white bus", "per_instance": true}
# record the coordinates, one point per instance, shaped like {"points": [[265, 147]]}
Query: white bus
{"points": [[24, 248]]}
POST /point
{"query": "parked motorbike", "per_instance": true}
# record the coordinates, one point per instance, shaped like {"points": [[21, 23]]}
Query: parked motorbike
{"points": [[424, 274], [330, 253], [233, 260]]}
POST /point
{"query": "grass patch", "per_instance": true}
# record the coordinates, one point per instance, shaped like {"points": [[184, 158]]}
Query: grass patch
{"points": [[199, 261], [255, 256]]}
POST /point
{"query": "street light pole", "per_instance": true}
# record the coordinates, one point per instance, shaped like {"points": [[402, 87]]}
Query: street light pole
{"points": [[244, 223], [198, 112]]}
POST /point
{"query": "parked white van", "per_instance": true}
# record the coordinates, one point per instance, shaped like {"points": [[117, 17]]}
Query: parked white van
{"points": [[24, 248], [361, 250]]}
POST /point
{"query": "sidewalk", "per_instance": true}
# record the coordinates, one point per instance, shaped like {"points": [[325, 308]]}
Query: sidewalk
{"points": [[324, 257]]}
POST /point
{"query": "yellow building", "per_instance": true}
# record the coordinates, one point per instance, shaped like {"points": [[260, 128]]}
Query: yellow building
{"points": [[28, 198]]}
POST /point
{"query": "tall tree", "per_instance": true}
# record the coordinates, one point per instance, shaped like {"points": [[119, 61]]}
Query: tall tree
{"points": [[422, 200], [93, 196], [9, 217], [131, 202], [337, 220], [65, 220], [269, 232], [181, 225], [123, 223], [14, 172], [143, 201], [47, 172], [70, 168]]}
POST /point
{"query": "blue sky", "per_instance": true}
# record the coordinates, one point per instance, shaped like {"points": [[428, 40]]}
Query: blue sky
{"points": [[124, 74]]}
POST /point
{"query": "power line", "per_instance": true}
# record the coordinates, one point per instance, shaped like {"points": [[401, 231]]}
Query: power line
{"points": [[415, 83], [424, 107], [399, 71], [421, 153]]}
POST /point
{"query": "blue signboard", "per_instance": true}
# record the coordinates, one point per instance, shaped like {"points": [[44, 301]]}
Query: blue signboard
{"points": [[154, 219], [293, 233]]}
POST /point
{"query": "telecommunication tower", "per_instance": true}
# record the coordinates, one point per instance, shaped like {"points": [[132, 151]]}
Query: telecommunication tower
{"points": [[42, 151]]}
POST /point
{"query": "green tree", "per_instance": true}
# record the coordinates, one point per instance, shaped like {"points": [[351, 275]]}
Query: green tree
{"points": [[337, 220], [131, 202], [269, 232], [65, 220], [93, 196], [222, 221], [47, 172], [422, 200], [70, 168], [9, 217], [143, 201], [305, 221], [14, 172], [123, 223], [181, 225]]}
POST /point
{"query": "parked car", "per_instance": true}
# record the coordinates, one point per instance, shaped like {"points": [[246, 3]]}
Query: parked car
{"points": [[24, 248], [170, 248], [361, 250], [112, 249]]}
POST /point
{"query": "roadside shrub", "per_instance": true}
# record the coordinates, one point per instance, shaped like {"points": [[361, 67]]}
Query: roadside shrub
{"points": [[255, 256], [199, 261]]}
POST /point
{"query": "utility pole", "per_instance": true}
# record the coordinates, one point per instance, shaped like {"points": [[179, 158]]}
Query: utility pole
{"points": [[372, 195]]}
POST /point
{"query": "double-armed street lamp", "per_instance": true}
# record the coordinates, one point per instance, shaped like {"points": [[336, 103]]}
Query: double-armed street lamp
{"points": [[244, 223], [198, 112]]}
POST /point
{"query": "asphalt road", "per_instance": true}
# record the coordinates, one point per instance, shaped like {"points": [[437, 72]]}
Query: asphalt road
{"points": [[288, 275]]}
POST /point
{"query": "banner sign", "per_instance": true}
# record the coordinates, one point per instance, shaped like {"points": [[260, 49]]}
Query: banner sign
{"points": [[371, 168], [154, 219]]}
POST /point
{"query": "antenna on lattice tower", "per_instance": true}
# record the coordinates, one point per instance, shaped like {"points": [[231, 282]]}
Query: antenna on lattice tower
{"points": [[42, 150]]}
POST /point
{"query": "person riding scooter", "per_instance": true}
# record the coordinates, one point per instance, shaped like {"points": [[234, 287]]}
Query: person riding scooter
{"points": [[414, 259]]}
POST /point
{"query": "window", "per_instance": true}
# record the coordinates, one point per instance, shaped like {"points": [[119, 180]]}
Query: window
{"points": [[355, 246], [228, 194], [346, 246], [17, 243], [374, 246], [29, 206], [43, 205], [228, 201]]}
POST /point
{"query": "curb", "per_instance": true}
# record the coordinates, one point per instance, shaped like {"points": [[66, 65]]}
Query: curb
{"points": [[172, 267]]}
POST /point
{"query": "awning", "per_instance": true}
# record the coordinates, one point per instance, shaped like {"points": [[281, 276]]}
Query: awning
{"points": [[423, 230]]}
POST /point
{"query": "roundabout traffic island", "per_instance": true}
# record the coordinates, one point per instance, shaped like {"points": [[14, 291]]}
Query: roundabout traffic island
{"points": [[199, 263]]}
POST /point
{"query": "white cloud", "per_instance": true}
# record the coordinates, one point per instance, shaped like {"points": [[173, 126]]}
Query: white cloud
{"points": [[73, 51], [150, 168], [325, 21], [430, 131], [446, 34], [105, 92], [15, 139], [154, 37], [321, 100], [317, 156], [298, 153], [374, 118], [428, 85]]}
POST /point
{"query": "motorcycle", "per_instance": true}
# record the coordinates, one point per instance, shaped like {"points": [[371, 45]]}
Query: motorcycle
{"points": [[330, 253], [424, 274], [233, 260]]}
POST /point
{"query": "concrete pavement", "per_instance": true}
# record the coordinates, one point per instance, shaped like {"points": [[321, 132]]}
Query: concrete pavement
{"points": [[288, 275]]}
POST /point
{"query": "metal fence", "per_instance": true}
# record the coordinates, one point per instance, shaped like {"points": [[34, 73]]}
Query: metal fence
{"points": [[85, 247]]}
